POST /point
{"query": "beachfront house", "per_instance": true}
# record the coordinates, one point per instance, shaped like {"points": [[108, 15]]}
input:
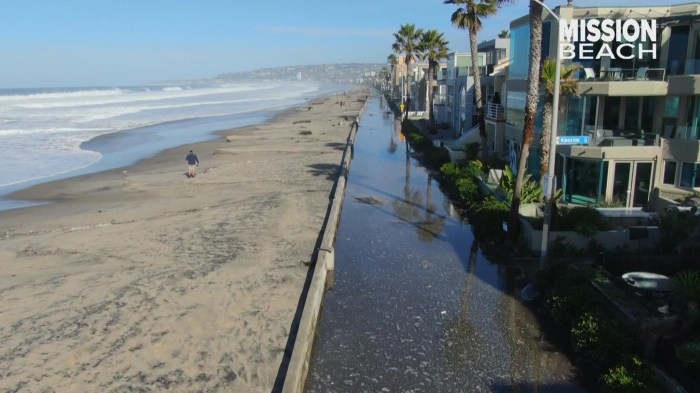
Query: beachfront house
{"points": [[458, 92], [640, 113], [493, 84]]}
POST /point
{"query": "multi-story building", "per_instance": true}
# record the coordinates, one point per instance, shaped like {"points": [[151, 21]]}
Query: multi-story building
{"points": [[415, 83], [497, 53], [456, 87], [640, 112]]}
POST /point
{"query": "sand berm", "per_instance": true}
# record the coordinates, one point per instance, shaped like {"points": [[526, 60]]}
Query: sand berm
{"points": [[140, 279]]}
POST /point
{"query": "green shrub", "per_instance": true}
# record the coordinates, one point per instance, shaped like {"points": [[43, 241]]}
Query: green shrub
{"points": [[633, 377], [451, 172], [418, 141], [435, 157], [471, 150], [560, 248], [584, 220], [570, 295], [689, 354], [548, 276], [476, 169], [585, 334], [467, 190], [675, 226], [531, 191], [687, 285], [487, 219]]}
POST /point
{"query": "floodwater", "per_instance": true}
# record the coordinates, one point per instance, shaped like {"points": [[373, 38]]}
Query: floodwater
{"points": [[411, 307]]}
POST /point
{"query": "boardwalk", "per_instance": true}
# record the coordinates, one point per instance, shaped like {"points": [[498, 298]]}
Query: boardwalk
{"points": [[412, 308]]}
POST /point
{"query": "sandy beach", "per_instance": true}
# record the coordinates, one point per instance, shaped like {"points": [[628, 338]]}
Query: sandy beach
{"points": [[140, 279]]}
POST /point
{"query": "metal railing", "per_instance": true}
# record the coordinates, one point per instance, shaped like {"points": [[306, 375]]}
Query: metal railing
{"points": [[439, 99], [495, 111]]}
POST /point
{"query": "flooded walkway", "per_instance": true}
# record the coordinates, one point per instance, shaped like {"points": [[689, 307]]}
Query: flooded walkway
{"points": [[412, 309]]}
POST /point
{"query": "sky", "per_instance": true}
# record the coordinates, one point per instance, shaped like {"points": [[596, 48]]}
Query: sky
{"points": [[74, 43]]}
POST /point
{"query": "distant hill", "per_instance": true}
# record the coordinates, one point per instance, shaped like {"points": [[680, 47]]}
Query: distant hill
{"points": [[337, 73]]}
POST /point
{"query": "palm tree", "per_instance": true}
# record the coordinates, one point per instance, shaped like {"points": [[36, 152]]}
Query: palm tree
{"points": [[504, 34], [433, 47], [392, 60], [468, 17], [408, 43], [532, 99], [568, 86]]}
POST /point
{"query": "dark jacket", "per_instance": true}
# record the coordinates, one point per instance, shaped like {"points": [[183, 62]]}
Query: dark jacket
{"points": [[192, 159]]}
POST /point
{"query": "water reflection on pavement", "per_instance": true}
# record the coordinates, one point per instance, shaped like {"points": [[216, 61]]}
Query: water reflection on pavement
{"points": [[414, 307]]}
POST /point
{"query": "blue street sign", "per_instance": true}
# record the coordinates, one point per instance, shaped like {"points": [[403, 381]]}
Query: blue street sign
{"points": [[573, 140]]}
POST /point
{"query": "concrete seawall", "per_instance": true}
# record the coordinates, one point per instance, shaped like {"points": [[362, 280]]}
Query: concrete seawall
{"points": [[325, 261]]}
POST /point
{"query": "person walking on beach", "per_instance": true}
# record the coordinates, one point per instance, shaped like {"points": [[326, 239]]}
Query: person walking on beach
{"points": [[192, 162]]}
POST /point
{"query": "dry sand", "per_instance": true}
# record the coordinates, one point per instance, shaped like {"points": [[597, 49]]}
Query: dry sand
{"points": [[140, 279]]}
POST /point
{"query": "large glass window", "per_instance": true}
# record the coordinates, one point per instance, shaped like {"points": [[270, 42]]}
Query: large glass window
{"points": [[574, 119], [632, 113], [519, 51], [612, 113], [670, 172], [648, 103], [693, 67], [690, 175], [677, 50], [546, 38], [515, 109], [668, 123], [586, 180], [642, 184], [621, 182]]}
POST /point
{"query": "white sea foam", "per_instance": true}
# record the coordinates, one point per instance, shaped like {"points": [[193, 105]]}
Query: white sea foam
{"points": [[41, 131]]}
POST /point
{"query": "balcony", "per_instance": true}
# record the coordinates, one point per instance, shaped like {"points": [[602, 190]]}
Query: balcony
{"points": [[439, 99], [615, 74], [620, 138], [495, 111]]}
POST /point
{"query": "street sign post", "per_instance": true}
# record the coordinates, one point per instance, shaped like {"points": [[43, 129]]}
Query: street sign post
{"points": [[573, 140]]}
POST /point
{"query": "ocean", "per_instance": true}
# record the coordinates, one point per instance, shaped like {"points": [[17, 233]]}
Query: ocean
{"points": [[49, 134]]}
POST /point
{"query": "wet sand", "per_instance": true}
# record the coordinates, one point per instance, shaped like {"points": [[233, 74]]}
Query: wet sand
{"points": [[140, 279]]}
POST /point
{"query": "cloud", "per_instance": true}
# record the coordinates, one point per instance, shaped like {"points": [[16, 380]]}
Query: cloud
{"points": [[325, 32]]}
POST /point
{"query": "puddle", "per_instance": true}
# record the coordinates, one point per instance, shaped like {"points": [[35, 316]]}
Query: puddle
{"points": [[412, 307]]}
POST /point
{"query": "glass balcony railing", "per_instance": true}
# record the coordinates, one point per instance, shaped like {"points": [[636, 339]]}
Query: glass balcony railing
{"points": [[687, 133], [692, 67], [622, 74], [619, 138]]}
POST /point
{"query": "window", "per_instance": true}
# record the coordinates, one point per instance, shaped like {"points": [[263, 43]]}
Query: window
{"points": [[690, 175], [670, 172], [519, 51], [515, 108]]}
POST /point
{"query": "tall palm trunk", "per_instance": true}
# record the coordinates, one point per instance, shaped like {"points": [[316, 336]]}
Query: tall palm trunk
{"points": [[477, 94], [530, 112], [408, 86], [431, 115], [544, 138]]}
